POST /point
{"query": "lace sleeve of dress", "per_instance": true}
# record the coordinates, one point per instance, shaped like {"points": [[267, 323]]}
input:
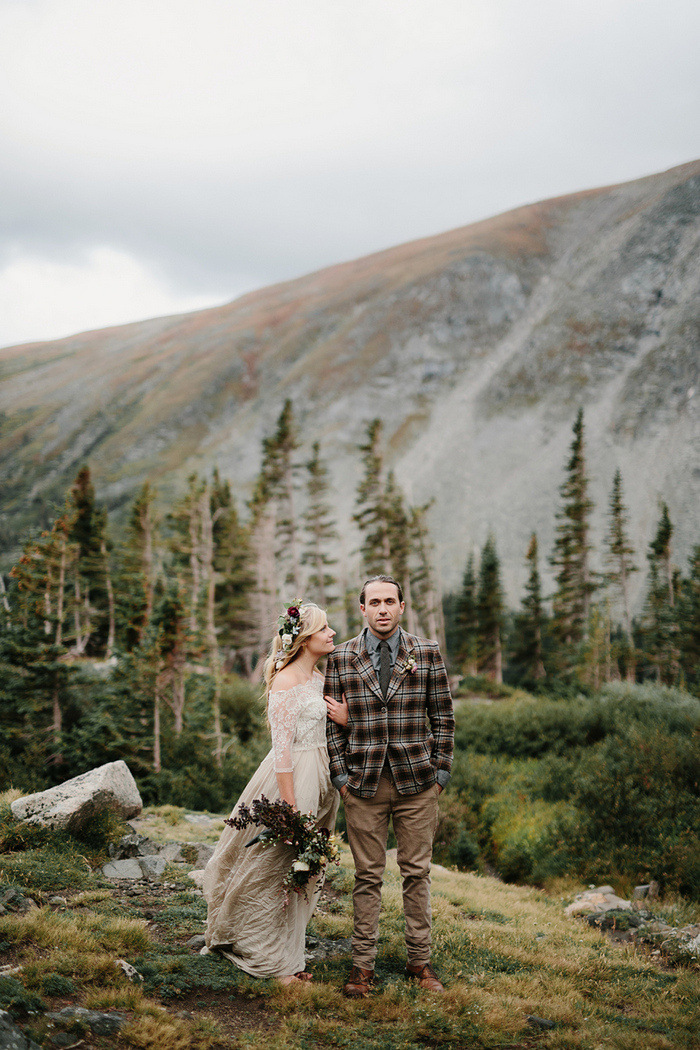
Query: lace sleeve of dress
{"points": [[283, 710]]}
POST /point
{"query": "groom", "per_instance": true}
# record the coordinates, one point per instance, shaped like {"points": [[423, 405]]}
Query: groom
{"points": [[387, 763]]}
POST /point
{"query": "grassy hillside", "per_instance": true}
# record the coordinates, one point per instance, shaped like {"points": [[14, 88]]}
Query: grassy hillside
{"points": [[518, 973]]}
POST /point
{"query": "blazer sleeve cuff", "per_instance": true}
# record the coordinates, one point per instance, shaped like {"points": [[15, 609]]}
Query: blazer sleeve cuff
{"points": [[339, 781], [443, 777]]}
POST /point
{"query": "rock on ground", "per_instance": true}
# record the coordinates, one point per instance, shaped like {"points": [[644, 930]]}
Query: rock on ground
{"points": [[98, 1023], [600, 899], [132, 845], [623, 922], [73, 804], [11, 1038], [152, 865], [123, 869]]}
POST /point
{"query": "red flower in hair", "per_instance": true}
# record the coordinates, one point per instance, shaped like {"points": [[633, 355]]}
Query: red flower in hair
{"points": [[292, 611]]}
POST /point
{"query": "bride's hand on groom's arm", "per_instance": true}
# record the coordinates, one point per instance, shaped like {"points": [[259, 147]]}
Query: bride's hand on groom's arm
{"points": [[337, 710]]}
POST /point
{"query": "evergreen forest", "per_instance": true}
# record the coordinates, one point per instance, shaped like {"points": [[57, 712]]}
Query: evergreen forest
{"points": [[578, 743]]}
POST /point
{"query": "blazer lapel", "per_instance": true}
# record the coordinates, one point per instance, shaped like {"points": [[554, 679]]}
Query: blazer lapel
{"points": [[399, 672], [363, 666]]}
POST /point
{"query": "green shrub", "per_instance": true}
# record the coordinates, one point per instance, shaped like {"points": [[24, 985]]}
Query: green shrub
{"points": [[479, 685], [531, 841], [243, 709], [45, 870], [464, 851], [534, 727], [15, 998], [55, 984], [638, 799], [456, 840], [608, 785]]}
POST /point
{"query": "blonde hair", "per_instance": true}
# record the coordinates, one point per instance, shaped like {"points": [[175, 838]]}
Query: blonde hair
{"points": [[311, 619]]}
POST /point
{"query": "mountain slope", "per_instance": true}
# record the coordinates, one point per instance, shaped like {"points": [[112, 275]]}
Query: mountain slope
{"points": [[475, 347]]}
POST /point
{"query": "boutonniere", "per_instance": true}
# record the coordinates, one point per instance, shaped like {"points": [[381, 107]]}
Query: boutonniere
{"points": [[410, 665]]}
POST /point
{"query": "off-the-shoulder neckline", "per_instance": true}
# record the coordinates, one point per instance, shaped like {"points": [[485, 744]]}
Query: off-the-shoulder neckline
{"points": [[299, 685]]}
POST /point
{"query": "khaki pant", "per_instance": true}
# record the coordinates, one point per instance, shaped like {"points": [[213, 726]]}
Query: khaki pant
{"points": [[415, 819]]}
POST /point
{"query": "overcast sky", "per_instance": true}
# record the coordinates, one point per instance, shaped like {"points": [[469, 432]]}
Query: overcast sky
{"points": [[157, 156]]}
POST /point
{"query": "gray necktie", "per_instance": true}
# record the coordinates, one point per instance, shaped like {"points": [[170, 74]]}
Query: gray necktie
{"points": [[384, 667]]}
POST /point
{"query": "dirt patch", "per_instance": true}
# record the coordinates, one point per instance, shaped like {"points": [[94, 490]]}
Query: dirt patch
{"points": [[235, 1013]]}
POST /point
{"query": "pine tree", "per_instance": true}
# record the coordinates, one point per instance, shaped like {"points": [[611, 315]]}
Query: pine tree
{"points": [[186, 545], [274, 528], [660, 627], [105, 548], [619, 557], [282, 471], [467, 621], [398, 534], [371, 513], [689, 618], [490, 613], [321, 532], [34, 691], [170, 641], [595, 654], [4, 602], [571, 555], [266, 584], [530, 623], [234, 579], [660, 553], [93, 608], [144, 671], [136, 579], [425, 590], [44, 594], [211, 557], [36, 640]]}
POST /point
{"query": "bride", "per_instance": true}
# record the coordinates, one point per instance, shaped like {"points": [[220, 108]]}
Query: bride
{"points": [[247, 921]]}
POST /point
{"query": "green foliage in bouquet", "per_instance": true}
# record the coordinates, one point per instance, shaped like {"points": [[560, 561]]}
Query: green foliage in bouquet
{"points": [[313, 845]]}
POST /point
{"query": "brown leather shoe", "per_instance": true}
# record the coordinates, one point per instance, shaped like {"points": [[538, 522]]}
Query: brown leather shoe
{"points": [[359, 983], [426, 977]]}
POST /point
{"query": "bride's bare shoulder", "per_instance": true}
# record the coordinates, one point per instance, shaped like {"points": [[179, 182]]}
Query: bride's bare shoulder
{"points": [[284, 680]]}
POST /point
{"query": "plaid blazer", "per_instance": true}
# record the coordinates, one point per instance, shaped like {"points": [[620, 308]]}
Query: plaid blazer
{"points": [[413, 728]]}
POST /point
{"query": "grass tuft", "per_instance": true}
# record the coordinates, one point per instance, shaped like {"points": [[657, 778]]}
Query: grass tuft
{"points": [[172, 815], [126, 997], [162, 1032]]}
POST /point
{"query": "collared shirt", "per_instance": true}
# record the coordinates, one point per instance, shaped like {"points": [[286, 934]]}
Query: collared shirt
{"points": [[372, 647]]}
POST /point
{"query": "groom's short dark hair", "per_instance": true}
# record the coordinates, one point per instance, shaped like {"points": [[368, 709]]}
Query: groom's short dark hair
{"points": [[382, 578]]}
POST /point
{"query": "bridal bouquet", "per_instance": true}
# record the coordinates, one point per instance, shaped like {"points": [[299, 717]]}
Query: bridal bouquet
{"points": [[314, 846]]}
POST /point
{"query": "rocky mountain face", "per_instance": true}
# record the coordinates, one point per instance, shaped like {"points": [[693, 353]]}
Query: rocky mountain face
{"points": [[475, 348]]}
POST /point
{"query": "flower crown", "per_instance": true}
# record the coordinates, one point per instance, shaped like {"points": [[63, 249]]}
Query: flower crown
{"points": [[288, 627]]}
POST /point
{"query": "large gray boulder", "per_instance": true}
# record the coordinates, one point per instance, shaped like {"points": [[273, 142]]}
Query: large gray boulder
{"points": [[73, 804]]}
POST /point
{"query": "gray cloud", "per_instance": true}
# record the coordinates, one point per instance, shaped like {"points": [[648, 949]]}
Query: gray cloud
{"points": [[338, 136]]}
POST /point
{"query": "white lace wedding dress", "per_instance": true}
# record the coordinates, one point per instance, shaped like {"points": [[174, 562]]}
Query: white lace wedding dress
{"points": [[246, 916]]}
